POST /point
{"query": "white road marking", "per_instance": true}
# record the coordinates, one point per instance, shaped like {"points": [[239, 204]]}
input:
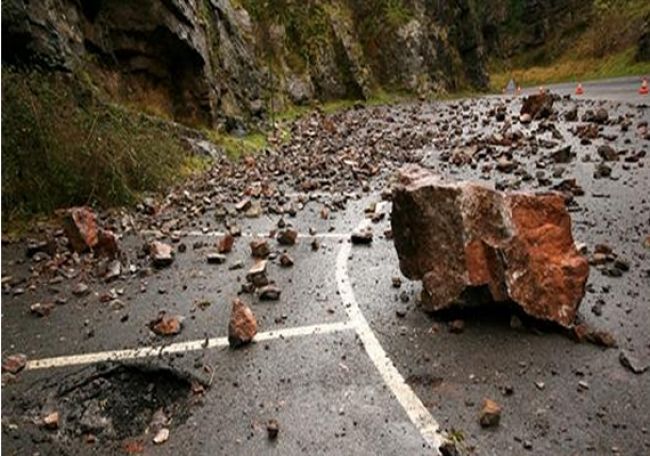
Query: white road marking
{"points": [[197, 233], [193, 345], [413, 406]]}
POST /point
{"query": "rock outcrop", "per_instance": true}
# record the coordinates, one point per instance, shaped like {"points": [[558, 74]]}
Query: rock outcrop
{"points": [[460, 236], [220, 62]]}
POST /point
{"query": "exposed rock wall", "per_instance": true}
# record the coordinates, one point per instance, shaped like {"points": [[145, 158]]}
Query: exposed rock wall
{"points": [[202, 61]]}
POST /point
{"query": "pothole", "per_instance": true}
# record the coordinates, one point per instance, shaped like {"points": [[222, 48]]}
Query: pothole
{"points": [[118, 404]]}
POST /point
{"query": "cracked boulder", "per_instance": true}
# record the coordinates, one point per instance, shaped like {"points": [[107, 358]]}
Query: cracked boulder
{"points": [[459, 237]]}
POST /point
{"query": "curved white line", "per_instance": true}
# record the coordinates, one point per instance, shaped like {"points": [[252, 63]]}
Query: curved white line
{"points": [[410, 402]]}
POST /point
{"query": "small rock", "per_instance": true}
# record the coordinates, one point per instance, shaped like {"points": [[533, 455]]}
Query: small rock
{"points": [[362, 236], [269, 293], [161, 254], [243, 204], [607, 153], [80, 289], [80, 226], [490, 414], [166, 325], [396, 281], [257, 274], [456, 326], [14, 363], [41, 310], [226, 243], [315, 244], [631, 363], [286, 261], [260, 248], [216, 258], [242, 326], [161, 436], [51, 421], [287, 236], [107, 245], [272, 429]]}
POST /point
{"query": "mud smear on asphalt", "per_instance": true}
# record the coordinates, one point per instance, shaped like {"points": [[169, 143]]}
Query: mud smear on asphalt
{"points": [[108, 406]]}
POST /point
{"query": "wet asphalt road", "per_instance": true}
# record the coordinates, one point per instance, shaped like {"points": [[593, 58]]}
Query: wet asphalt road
{"points": [[324, 389]]}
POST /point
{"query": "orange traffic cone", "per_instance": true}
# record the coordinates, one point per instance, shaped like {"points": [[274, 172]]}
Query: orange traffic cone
{"points": [[579, 89], [644, 87]]}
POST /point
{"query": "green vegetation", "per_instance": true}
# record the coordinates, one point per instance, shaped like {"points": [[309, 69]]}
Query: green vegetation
{"points": [[235, 146], [568, 69], [64, 146], [308, 32], [604, 45]]}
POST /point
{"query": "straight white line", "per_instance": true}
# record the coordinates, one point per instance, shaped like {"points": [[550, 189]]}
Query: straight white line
{"points": [[178, 347], [197, 233], [410, 402]]}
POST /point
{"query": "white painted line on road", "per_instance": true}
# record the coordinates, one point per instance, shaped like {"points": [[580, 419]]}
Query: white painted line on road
{"points": [[266, 235], [410, 402], [179, 347], [197, 233]]}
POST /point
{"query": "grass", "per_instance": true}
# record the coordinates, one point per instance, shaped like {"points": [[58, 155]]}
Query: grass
{"points": [[63, 146], [568, 69], [604, 48], [236, 147]]}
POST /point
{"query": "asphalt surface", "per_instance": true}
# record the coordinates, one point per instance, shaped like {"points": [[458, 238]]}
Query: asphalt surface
{"points": [[326, 388]]}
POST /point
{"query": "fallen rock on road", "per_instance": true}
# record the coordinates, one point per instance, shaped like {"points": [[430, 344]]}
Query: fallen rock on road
{"points": [[461, 236], [243, 325]]}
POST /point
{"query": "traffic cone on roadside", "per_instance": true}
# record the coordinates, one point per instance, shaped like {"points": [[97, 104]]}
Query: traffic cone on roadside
{"points": [[644, 87], [579, 89]]}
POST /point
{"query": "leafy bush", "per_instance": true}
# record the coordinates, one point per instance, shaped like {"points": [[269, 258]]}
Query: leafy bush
{"points": [[62, 146]]}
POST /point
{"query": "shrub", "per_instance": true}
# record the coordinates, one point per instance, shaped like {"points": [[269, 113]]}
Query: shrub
{"points": [[62, 145]]}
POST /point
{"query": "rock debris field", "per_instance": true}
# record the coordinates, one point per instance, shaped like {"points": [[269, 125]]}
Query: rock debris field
{"points": [[463, 277]]}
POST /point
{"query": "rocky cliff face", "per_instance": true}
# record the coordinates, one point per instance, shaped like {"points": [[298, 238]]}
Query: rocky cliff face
{"points": [[204, 61], [214, 61]]}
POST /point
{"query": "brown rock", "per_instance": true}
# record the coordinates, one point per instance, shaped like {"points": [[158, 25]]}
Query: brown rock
{"points": [[490, 414], [269, 293], [161, 254], [456, 326], [107, 244], [260, 248], [41, 309], [226, 243], [287, 236], [362, 236], [243, 326], [516, 245], [257, 274], [51, 421], [538, 106], [14, 363], [286, 260], [272, 429], [166, 325], [80, 225]]}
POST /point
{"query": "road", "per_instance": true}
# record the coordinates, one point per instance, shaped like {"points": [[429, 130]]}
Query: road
{"points": [[344, 361], [625, 90]]}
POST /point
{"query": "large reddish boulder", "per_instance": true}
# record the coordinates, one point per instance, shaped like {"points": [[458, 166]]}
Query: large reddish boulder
{"points": [[518, 246], [80, 225]]}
